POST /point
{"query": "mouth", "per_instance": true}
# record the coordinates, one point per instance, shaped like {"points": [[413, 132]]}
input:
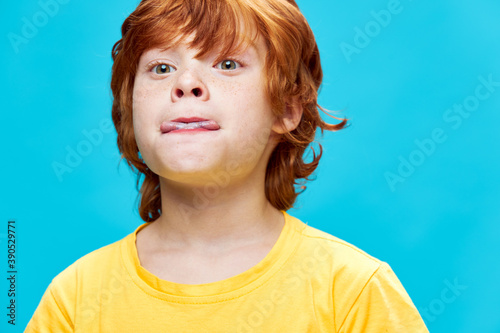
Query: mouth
{"points": [[194, 124]]}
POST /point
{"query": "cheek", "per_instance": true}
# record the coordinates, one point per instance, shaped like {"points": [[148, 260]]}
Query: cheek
{"points": [[255, 107], [138, 112], [145, 102], [142, 116], [253, 118]]}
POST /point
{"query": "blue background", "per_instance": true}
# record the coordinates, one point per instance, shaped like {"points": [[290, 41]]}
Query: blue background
{"points": [[436, 225]]}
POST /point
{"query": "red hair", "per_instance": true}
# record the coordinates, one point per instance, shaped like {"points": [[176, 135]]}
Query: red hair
{"points": [[292, 66]]}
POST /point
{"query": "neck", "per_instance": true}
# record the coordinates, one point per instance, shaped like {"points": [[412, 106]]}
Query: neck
{"points": [[216, 217]]}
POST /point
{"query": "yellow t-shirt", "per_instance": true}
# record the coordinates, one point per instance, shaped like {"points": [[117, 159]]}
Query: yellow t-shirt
{"points": [[310, 281]]}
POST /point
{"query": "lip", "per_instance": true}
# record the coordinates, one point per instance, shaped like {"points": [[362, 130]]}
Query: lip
{"points": [[189, 125], [194, 130]]}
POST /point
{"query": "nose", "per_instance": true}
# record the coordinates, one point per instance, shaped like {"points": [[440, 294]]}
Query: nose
{"points": [[189, 84]]}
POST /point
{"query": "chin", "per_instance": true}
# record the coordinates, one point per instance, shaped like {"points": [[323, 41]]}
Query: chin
{"points": [[187, 172]]}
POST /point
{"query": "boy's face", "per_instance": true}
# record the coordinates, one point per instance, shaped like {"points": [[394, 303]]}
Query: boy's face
{"points": [[235, 127]]}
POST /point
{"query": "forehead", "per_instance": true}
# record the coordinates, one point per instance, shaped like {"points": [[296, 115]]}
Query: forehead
{"points": [[246, 42]]}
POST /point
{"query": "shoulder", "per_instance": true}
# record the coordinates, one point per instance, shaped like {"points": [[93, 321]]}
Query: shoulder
{"points": [[359, 285], [82, 277], [90, 267], [334, 253], [345, 268]]}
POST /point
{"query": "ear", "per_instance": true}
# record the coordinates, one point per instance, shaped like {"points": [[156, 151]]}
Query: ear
{"points": [[290, 118]]}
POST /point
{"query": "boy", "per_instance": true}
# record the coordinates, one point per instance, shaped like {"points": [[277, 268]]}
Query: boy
{"points": [[215, 102]]}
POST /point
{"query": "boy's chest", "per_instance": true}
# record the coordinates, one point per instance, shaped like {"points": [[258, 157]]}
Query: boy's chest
{"points": [[191, 268]]}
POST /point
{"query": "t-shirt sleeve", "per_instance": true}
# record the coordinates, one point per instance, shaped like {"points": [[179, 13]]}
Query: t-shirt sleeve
{"points": [[383, 305], [49, 316], [55, 312]]}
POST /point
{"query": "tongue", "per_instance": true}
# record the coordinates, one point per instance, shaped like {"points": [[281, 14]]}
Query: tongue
{"points": [[169, 126]]}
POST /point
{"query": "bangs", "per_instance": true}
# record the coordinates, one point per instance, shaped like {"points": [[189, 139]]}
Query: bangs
{"points": [[223, 27]]}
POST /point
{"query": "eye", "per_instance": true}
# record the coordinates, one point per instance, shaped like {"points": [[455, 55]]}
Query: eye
{"points": [[163, 69], [228, 65]]}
